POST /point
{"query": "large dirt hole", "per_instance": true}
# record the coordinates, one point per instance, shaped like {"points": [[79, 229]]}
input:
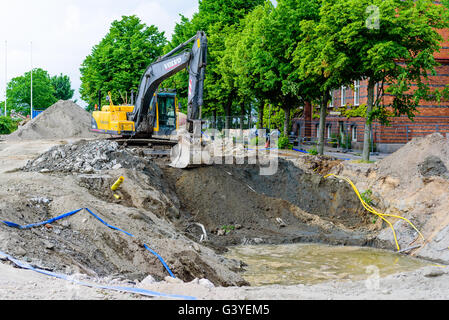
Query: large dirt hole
{"points": [[290, 206]]}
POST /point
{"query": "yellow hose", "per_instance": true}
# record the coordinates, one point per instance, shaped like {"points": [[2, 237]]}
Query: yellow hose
{"points": [[373, 211]]}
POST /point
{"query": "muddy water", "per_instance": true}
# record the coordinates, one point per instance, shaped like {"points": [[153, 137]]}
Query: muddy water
{"points": [[311, 264]]}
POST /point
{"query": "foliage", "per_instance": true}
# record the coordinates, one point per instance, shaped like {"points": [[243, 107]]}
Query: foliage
{"points": [[118, 62], [405, 31], [220, 19], [284, 142], [19, 92], [7, 125], [313, 151], [63, 87], [366, 196]]}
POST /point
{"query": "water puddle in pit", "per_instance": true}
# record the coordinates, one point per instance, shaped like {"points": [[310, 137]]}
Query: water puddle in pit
{"points": [[311, 264]]}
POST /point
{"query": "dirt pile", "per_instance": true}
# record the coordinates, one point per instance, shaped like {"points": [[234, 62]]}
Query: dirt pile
{"points": [[407, 164], [64, 119], [86, 157], [412, 183]]}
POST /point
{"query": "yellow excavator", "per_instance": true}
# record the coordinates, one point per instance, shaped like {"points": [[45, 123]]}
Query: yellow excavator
{"points": [[157, 113], [113, 119]]}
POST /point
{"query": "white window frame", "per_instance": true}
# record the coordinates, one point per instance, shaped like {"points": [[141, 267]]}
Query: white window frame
{"points": [[329, 131], [332, 103], [343, 96], [354, 133], [357, 93]]}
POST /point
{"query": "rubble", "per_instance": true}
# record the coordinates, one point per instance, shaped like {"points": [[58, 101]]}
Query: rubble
{"points": [[85, 157]]}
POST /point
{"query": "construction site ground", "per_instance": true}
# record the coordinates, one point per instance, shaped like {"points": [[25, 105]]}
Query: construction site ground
{"points": [[166, 209], [214, 196]]}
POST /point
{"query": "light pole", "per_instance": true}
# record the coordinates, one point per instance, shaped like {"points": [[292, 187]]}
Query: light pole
{"points": [[6, 75], [31, 49]]}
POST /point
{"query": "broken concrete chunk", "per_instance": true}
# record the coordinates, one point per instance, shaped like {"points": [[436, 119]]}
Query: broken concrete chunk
{"points": [[206, 283]]}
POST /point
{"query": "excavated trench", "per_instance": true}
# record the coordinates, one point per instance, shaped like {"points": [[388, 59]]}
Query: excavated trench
{"points": [[238, 206], [164, 207]]}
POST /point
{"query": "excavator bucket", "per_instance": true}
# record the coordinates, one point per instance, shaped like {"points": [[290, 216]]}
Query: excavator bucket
{"points": [[188, 153]]}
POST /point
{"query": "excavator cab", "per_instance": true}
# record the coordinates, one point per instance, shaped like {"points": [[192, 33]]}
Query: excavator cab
{"points": [[114, 119], [166, 121]]}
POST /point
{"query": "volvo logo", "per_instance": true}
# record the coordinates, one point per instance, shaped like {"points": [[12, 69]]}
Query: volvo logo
{"points": [[171, 64]]}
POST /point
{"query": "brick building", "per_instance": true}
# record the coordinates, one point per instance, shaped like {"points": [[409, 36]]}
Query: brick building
{"points": [[431, 116]]}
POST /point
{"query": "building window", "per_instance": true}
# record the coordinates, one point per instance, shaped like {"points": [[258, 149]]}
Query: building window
{"points": [[332, 102], [354, 133], [357, 93], [329, 131], [343, 96], [317, 131]]}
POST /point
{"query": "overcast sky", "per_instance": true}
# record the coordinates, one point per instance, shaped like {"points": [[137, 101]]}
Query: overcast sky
{"points": [[63, 32]]}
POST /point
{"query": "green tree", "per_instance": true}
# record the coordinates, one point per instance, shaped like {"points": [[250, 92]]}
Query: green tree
{"points": [[19, 92], [118, 62], [262, 55], [63, 87], [386, 42], [217, 18]]}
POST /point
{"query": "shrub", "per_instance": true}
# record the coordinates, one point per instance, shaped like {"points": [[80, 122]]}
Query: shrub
{"points": [[313, 151], [284, 143], [7, 125]]}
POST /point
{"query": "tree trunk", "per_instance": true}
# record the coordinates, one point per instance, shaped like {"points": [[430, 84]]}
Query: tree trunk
{"points": [[322, 128], [242, 117], [228, 112], [261, 110], [369, 108], [286, 121]]}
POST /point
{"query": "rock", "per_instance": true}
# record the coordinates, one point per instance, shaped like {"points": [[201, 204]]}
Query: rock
{"points": [[147, 281], [20, 252], [221, 232], [173, 280], [433, 272], [117, 166], [49, 245], [238, 226], [44, 171], [196, 247], [195, 281], [206, 283]]}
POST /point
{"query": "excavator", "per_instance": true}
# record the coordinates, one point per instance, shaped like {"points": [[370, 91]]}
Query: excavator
{"points": [[156, 113]]}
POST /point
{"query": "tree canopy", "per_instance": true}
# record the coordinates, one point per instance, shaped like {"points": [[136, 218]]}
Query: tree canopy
{"points": [[118, 62], [19, 92], [63, 87]]}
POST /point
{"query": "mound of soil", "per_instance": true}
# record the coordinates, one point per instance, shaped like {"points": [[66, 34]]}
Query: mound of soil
{"points": [[412, 161], [64, 119]]}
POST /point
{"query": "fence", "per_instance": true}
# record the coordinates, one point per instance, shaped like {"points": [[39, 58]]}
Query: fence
{"points": [[36, 113], [349, 133], [235, 122]]}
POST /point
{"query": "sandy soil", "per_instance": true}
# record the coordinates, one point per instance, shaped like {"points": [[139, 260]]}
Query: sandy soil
{"points": [[82, 246], [430, 283]]}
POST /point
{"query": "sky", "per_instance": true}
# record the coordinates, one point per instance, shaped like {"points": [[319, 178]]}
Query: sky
{"points": [[63, 32]]}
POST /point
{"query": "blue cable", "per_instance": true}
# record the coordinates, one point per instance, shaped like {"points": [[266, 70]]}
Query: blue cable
{"points": [[34, 225], [27, 266]]}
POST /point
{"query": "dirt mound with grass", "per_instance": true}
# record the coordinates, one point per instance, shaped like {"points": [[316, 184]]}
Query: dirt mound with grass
{"points": [[64, 119]]}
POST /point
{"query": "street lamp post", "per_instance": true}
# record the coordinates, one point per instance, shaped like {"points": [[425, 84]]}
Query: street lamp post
{"points": [[31, 48]]}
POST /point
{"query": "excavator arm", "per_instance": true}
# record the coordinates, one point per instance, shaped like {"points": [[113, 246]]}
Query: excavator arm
{"points": [[194, 59]]}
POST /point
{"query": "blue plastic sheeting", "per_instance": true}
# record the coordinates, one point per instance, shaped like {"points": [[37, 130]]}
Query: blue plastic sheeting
{"points": [[65, 215], [144, 292]]}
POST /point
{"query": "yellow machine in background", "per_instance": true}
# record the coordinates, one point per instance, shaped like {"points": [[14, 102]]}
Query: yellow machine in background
{"points": [[114, 119]]}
